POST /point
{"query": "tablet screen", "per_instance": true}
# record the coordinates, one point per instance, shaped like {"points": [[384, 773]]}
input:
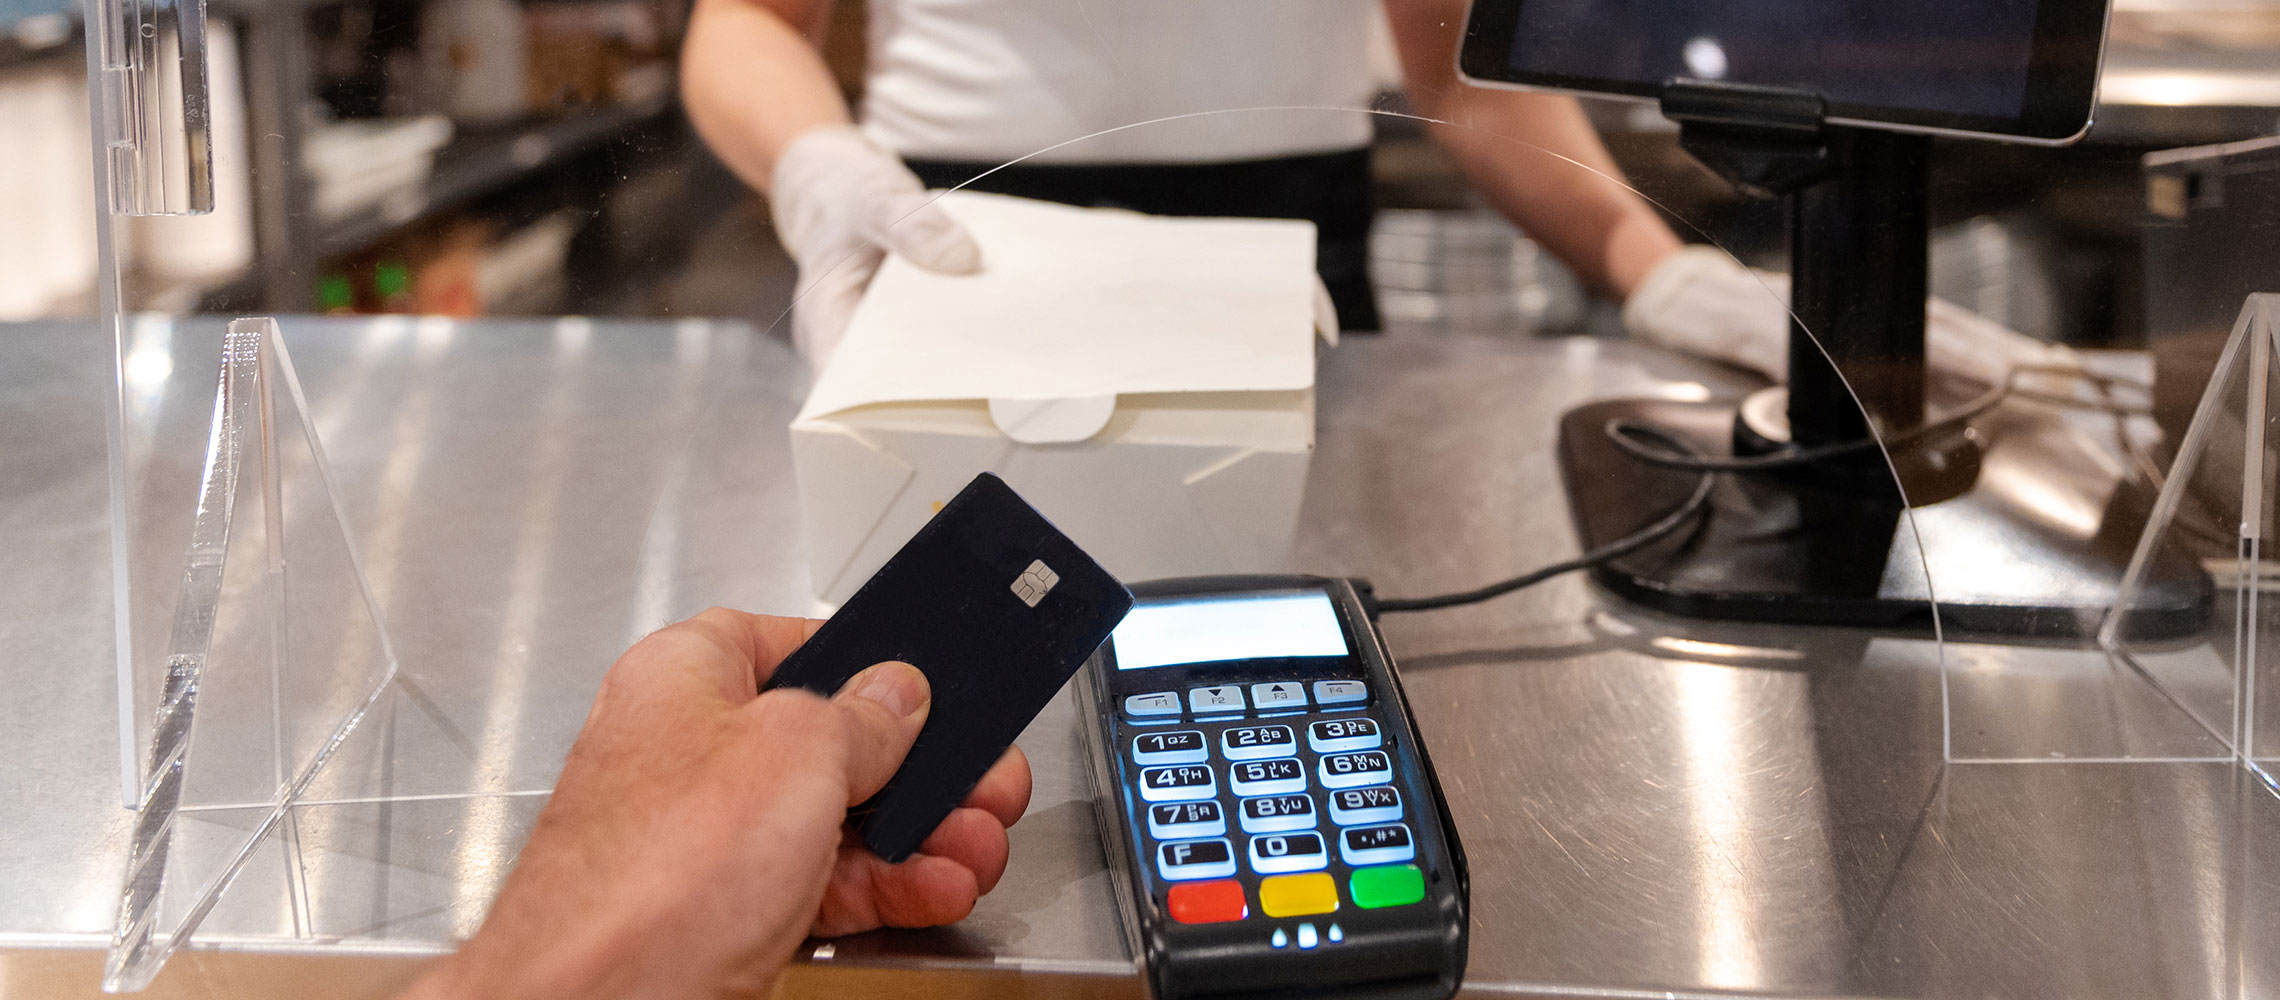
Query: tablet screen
{"points": [[2019, 68], [1929, 54]]}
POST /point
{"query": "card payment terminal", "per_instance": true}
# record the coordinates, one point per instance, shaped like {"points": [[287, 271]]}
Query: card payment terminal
{"points": [[1274, 822]]}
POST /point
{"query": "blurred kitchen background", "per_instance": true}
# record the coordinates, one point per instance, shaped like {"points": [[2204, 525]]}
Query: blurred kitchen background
{"points": [[528, 157]]}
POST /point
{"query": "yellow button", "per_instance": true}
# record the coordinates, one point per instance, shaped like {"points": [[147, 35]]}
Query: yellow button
{"points": [[1298, 895]]}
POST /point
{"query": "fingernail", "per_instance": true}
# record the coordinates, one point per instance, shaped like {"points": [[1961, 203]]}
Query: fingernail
{"points": [[898, 687]]}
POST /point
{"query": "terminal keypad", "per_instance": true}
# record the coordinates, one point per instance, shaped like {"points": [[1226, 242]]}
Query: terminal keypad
{"points": [[1278, 794]]}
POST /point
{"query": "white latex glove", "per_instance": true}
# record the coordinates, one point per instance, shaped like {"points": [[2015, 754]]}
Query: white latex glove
{"points": [[841, 205], [1701, 301]]}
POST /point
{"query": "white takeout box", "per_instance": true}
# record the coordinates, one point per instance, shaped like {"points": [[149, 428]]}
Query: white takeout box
{"points": [[1145, 382]]}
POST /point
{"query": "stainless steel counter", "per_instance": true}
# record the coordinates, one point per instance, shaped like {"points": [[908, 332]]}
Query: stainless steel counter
{"points": [[1652, 806]]}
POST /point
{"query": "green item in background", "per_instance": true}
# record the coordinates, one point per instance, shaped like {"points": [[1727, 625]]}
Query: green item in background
{"points": [[334, 294], [391, 278]]}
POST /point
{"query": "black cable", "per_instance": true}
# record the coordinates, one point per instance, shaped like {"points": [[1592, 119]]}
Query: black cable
{"points": [[1662, 527], [1676, 453], [1625, 435]]}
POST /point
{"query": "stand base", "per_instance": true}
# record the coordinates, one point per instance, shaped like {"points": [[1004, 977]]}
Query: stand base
{"points": [[2037, 546]]}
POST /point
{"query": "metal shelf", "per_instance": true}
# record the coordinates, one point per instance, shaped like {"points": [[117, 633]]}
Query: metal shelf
{"points": [[482, 162]]}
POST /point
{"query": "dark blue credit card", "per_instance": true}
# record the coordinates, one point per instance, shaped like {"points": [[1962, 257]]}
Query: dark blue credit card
{"points": [[998, 609]]}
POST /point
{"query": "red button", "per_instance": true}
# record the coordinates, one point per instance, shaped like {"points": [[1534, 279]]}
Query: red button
{"points": [[1208, 902]]}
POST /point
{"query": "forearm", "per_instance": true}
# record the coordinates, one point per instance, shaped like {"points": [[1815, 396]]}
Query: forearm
{"points": [[1536, 158], [753, 81]]}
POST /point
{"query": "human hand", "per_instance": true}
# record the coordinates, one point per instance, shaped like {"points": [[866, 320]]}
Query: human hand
{"points": [[697, 833], [1701, 301], [841, 205]]}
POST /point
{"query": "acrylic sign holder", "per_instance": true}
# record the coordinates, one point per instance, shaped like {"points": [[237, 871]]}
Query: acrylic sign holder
{"points": [[275, 653], [247, 643], [2218, 506]]}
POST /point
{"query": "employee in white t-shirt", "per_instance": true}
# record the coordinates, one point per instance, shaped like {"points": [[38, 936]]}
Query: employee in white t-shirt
{"points": [[955, 87]]}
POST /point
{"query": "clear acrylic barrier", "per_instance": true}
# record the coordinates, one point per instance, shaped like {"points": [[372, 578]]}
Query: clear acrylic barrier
{"points": [[245, 659], [2073, 460], [2068, 458], [1722, 678], [154, 115], [276, 652], [531, 496], [2143, 667], [527, 557], [468, 735], [2216, 509]]}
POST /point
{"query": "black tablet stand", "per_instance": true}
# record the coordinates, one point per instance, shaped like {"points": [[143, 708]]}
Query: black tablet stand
{"points": [[1826, 541]]}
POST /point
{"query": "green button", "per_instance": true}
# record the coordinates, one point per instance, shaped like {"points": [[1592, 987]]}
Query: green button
{"points": [[1387, 885]]}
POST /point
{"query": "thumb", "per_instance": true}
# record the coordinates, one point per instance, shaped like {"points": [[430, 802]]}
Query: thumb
{"points": [[916, 229], [825, 309], [886, 705]]}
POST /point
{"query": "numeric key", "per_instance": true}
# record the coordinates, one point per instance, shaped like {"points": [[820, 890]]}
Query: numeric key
{"points": [[1182, 820], [1282, 776], [1351, 806], [1351, 770], [1276, 813], [1178, 783], [1183, 747], [1342, 735], [1257, 742], [1288, 852]]}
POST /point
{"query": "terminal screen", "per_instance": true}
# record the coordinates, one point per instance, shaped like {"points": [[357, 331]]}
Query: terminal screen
{"points": [[1225, 628]]}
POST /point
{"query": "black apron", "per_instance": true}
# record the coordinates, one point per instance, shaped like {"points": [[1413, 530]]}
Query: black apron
{"points": [[1331, 190]]}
